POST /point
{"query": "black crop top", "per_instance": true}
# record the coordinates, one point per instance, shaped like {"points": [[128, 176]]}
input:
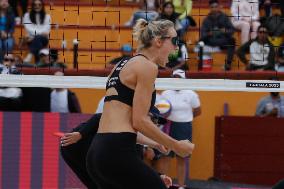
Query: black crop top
{"points": [[124, 93]]}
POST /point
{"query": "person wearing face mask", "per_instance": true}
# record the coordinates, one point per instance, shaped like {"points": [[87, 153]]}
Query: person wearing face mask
{"points": [[271, 106], [37, 24], [185, 107]]}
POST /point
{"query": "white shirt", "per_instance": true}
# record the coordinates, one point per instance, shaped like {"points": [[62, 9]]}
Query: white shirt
{"points": [[4, 69], [59, 101], [183, 102], [11, 92], [37, 29], [100, 107], [245, 9], [184, 53], [259, 53], [151, 4]]}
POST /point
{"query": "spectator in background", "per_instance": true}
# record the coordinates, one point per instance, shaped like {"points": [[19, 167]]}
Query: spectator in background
{"points": [[168, 13], [8, 65], [275, 27], [48, 58], [280, 59], [37, 24], [63, 100], [261, 52], [126, 53], [217, 31], [14, 5], [267, 5], [44, 60], [10, 97], [271, 106], [245, 17], [183, 8], [185, 106], [53, 56], [7, 27], [148, 11]]}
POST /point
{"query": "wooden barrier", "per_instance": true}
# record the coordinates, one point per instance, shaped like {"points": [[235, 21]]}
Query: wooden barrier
{"points": [[249, 149], [30, 152]]}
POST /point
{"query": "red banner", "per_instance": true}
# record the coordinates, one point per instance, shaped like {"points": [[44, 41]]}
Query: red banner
{"points": [[29, 152]]}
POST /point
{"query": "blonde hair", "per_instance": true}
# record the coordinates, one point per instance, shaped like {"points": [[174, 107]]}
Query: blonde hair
{"points": [[144, 31]]}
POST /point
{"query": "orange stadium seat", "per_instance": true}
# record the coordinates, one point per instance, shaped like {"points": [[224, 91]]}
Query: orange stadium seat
{"points": [[99, 27]]}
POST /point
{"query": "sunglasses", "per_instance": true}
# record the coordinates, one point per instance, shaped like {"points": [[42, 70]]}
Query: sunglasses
{"points": [[175, 40], [9, 59], [265, 32], [37, 4]]}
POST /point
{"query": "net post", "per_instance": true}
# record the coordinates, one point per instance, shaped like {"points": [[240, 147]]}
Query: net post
{"points": [[200, 55], [75, 53]]}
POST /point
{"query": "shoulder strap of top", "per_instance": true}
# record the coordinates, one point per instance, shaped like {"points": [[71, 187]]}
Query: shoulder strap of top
{"points": [[139, 54]]}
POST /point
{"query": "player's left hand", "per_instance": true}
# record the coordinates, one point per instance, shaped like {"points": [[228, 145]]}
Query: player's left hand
{"points": [[70, 138], [167, 180]]}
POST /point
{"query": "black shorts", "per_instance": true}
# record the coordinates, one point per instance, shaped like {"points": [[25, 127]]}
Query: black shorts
{"points": [[113, 162]]}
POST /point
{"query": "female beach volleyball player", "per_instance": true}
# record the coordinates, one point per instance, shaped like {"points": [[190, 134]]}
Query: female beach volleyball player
{"points": [[111, 160]]}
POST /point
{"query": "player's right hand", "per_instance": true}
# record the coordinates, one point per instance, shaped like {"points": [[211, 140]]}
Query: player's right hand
{"points": [[183, 148]]}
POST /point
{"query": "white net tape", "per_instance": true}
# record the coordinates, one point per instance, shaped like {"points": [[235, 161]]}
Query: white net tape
{"points": [[161, 83]]}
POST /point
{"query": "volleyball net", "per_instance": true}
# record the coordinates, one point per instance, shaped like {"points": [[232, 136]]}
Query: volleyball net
{"points": [[95, 82]]}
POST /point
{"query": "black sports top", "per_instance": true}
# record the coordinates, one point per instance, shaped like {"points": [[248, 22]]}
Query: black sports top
{"points": [[124, 93]]}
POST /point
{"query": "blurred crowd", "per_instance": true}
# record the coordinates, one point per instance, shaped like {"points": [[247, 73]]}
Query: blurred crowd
{"points": [[259, 26], [37, 26]]}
